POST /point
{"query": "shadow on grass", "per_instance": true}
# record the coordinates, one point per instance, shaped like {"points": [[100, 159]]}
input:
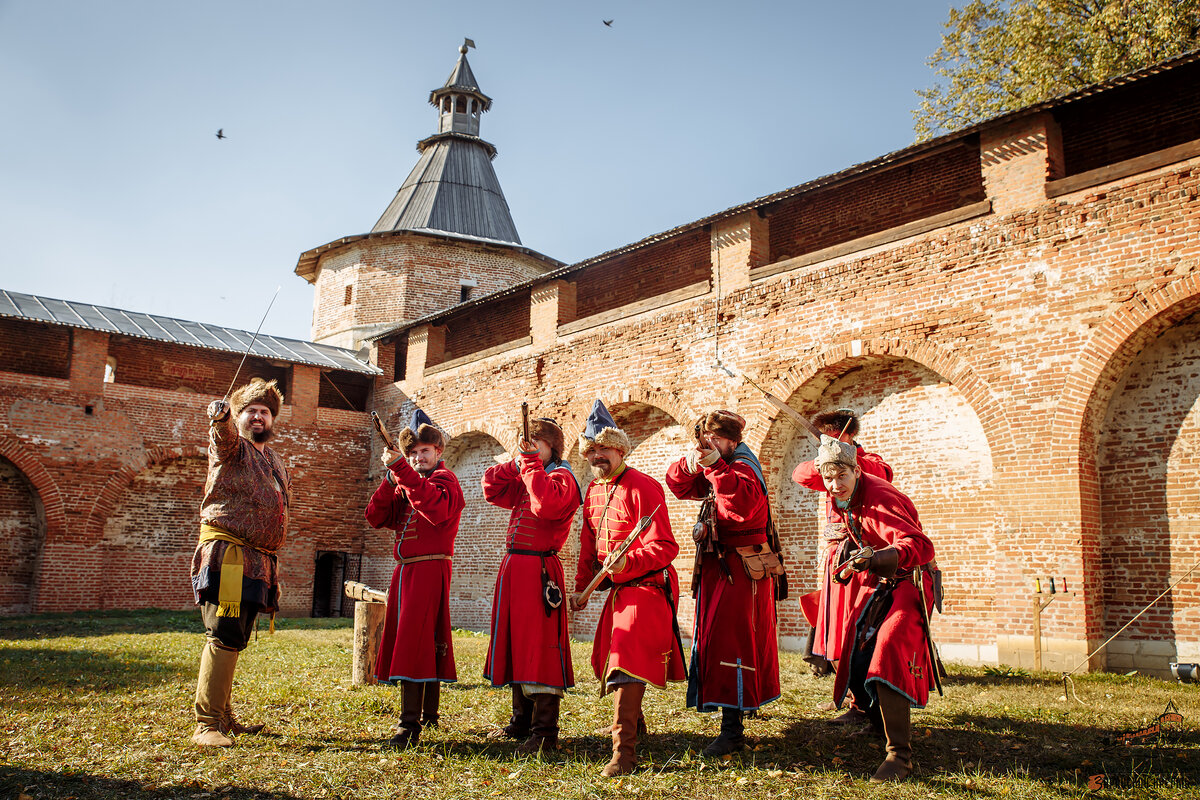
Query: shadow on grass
{"points": [[84, 671], [1002, 747], [82, 785], [150, 620]]}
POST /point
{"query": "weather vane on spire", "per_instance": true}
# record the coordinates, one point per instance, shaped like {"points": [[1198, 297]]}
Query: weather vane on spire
{"points": [[466, 43]]}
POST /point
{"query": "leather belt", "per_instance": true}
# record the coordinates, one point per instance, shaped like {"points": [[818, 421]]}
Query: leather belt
{"points": [[430, 557], [542, 553]]}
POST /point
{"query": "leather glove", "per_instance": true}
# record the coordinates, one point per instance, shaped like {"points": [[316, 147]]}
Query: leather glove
{"points": [[691, 461], [885, 562], [710, 459]]}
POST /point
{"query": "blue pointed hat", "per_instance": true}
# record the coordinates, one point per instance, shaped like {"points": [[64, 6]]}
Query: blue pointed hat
{"points": [[602, 430], [420, 430]]}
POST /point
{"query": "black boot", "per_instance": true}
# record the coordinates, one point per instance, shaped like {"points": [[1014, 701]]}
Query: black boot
{"points": [[731, 739], [429, 705], [408, 732], [521, 719]]}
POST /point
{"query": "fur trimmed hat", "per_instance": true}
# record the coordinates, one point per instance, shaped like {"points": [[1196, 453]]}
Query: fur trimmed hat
{"points": [[548, 431], [602, 430], [835, 451], [420, 430], [844, 419], [722, 423], [257, 391]]}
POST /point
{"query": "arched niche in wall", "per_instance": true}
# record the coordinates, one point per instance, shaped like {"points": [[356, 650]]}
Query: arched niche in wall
{"points": [[22, 534]]}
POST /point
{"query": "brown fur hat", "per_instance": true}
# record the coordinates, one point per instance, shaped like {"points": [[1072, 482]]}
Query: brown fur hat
{"points": [[420, 431], [844, 419], [722, 423], [548, 431], [257, 391]]}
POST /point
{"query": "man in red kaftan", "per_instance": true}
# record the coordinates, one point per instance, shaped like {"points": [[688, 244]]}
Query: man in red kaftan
{"points": [[421, 501], [530, 650], [637, 640]]}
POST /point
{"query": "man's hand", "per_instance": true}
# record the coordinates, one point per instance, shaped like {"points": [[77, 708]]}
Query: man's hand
{"points": [[218, 410], [527, 447], [613, 565], [389, 456], [575, 604], [708, 456]]}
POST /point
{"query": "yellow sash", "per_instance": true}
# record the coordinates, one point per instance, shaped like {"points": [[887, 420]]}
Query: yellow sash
{"points": [[229, 595]]}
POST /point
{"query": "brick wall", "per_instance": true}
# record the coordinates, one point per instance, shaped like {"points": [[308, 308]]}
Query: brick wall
{"points": [[175, 367], [33, 348], [507, 320], [1131, 120], [880, 200], [22, 529], [651, 270]]}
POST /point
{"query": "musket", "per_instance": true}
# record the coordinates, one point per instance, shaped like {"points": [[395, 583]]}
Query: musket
{"points": [[360, 591], [383, 432], [616, 556], [795, 415], [524, 421]]}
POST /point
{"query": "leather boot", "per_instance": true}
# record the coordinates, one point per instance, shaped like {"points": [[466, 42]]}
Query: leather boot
{"points": [[429, 704], [408, 732], [544, 726], [642, 730], [212, 694], [522, 716], [731, 738], [231, 723], [627, 706], [897, 727]]}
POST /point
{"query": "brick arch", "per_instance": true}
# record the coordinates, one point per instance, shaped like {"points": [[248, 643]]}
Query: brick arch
{"points": [[1110, 350], [833, 362], [106, 500], [642, 393], [43, 483], [504, 433]]}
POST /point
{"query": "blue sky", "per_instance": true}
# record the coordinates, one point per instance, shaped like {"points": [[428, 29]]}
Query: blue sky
{"points": [[114, 189]]}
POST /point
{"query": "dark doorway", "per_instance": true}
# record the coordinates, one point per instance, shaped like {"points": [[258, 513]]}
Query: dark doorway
{"points": [[332, 571]]}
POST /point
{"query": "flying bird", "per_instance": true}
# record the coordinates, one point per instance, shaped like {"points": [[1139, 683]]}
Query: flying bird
{"points": [[221, 133], [607, 22]]}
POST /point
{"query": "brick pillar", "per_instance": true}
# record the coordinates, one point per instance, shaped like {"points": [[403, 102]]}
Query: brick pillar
{"points": [[1017, 160], [89, 354], [306, 389], [426, 348], [551, 305], [738, 245]]}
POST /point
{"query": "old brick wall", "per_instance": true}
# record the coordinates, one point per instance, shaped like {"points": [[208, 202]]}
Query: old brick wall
{"points": [[22, 529]]}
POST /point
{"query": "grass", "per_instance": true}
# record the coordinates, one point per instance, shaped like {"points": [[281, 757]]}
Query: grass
{"points": [[99, 705]]}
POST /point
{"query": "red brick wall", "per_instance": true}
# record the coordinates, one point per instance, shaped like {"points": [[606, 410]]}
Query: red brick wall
{"points": [[824, 217], [161, 365], [22, 529], [33, 348], [1149, 466], [469, 331], [479, 546], [651, 270], [1131, 120]]}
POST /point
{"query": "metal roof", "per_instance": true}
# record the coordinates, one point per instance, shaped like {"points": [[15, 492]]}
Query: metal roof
{"points": [[890, 159], [454, 189], [178, 331]]}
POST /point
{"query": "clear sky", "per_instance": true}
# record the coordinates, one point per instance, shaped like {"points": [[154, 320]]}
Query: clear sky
{"points": [[114, 189]]}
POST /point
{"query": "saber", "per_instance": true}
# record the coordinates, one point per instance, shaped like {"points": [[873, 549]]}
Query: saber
{"points": [[643, 523], [252, 341], [862, 554], [795, 415]]}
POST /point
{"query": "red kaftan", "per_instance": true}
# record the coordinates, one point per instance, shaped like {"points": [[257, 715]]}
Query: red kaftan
{"points": [[530, 644], [424, 512], [832, 605], [900, 658], [636, 632], [735, 656]]}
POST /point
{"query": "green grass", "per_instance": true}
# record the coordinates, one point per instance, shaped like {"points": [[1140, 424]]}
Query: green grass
{"points": [[99, 705]]}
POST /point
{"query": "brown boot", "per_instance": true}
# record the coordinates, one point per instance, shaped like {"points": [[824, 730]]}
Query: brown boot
{"points": [[544, 726], [522, 716], [627, 706], [408, 732], [429, 704], [212, 694], [642, 730], [897, 727], [231, 724]]}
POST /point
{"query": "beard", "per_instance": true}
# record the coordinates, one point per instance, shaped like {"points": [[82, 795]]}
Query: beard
{"points": [[601, 469], [258, 437]]}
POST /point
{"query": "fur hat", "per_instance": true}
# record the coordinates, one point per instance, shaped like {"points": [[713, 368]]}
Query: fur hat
{"points": [[602, 430], [844, 419], [548, 431], [722, 423], [420, 430], [257, 391], [835, 451]]}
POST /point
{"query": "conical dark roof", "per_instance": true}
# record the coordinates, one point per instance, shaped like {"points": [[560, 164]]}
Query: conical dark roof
{"points": [[453, 188]]}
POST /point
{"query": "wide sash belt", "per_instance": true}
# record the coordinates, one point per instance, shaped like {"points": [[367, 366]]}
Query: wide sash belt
{"points": [[541, 553], [429, 557]]}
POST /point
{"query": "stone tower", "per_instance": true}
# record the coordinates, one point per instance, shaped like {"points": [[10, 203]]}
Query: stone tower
{"points": [[447, 237]]}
